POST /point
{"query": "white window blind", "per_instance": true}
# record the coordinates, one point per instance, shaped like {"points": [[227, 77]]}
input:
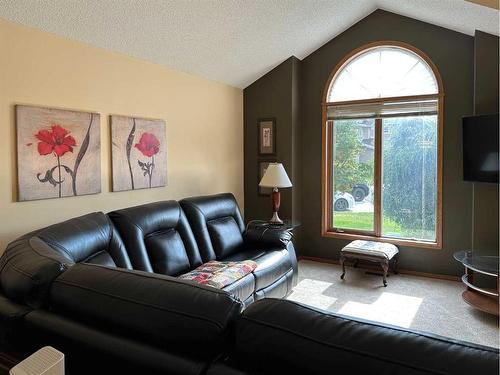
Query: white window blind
{"points": [[384, 109]]}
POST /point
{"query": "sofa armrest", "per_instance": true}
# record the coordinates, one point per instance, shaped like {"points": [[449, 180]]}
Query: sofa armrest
{"points": [[264, 237], [27, 268], [161, 310], [11, 316], [267, 235]]}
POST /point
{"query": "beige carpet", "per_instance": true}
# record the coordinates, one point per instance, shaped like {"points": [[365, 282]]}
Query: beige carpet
{"points": [[414, 302]]}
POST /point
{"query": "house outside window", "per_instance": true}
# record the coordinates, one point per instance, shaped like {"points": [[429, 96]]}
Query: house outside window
{"points": [[382, 147]]}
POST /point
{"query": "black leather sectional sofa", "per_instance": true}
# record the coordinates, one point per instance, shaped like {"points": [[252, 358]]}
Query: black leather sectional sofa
{"points": [[103, 289]]}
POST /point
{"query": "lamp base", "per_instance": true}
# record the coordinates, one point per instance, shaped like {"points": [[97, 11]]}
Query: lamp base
{"points": [[275, 200], [276, 219]]}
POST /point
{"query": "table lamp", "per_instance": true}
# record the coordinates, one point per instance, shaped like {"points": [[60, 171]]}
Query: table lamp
{"points": [[275, 177]]}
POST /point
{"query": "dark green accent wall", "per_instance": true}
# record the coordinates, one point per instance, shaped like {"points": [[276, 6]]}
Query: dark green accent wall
{"points": [[274, 95], [485, 73], [271, 95], [485, 102], [452, 53]]}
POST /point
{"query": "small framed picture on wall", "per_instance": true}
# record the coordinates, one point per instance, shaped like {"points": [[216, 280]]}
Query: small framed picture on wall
{"points": [[263, 164], [267, 136]]}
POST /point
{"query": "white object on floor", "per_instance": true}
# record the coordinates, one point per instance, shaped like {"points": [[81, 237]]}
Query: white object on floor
{"points": [[377, 249], [46, 361]]}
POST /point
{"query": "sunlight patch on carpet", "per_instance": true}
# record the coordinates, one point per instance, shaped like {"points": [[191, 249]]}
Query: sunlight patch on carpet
{"points": [[312, 291], [390, 308]]}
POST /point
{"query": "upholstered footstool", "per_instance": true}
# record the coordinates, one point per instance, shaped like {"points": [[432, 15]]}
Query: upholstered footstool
{"points": [[379, 252]]}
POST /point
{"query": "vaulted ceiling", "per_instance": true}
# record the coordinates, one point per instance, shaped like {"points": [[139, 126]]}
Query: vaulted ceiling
{"points": [[229, 41]]}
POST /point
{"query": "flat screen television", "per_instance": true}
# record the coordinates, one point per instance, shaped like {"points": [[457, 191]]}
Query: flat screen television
{"points": [[480, 145]]}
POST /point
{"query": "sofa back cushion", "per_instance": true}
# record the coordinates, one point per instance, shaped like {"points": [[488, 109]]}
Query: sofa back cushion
{"points": [[275, 330], [158, 238], [216, 223], [175, 315], [31, 262], [225, 236], [89, 238]]}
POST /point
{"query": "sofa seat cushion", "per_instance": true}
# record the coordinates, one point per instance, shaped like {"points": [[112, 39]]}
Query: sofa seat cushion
{"points": [[243, 289], [271, 266], [220, 274], [279, 289]]}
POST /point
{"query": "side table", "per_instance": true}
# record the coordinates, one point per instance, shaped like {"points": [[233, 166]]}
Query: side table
{"points": [[483, 299], [288, 225]]}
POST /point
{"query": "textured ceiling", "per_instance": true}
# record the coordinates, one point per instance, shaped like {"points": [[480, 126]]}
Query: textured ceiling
{"points": [[229, 41]]}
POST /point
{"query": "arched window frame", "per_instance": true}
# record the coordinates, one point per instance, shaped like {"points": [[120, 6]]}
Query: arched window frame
{"points": [[327, 229]]}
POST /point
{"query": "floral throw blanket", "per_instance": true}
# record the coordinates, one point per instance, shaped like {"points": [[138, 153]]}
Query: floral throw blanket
{"points": [[220, 274]]}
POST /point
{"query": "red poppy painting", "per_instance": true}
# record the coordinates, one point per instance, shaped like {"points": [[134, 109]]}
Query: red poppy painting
{"points": [[58, 153], [149, 145], [138, 153], [56, 140]]}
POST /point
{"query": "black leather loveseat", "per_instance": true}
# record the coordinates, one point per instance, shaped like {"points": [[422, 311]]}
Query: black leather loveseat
{"points": [[165, 238], [103, 289]]}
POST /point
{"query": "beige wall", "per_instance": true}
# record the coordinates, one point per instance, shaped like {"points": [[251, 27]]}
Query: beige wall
{"points": [[204, 122]]}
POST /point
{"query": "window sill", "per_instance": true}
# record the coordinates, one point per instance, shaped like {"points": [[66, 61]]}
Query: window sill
{"points": [[395, 241]]}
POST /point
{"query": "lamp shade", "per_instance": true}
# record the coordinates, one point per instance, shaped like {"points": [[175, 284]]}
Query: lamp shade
{"points": [[275, 177]]}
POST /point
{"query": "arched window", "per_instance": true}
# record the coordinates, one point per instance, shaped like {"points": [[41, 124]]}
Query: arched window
{"points": [[382, 154]]}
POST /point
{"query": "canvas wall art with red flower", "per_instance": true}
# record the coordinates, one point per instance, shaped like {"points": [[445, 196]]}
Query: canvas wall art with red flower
{"points": [[58, 153], [139, 153]]}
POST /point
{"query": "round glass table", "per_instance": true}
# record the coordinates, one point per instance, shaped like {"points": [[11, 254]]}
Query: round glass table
{"points": [[481, 298]]}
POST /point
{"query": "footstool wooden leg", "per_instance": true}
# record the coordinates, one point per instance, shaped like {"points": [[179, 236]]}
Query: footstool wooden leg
{"points": [[342, 260], [385, 267]]}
